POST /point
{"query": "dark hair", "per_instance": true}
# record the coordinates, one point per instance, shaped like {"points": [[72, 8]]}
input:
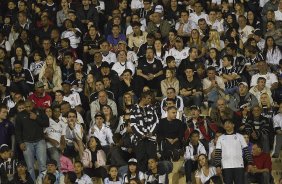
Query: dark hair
{"points": [[60, 91], [229, 58], [113, 166], [73, 111], [169, 59], [261, 78], [211, 68], [51, 177], [145, 94], [194, 132], [266, 46], [72, 176], [3, 106], [99, 146]]}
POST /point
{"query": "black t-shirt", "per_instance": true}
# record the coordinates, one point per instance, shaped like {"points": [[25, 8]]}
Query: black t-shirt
{"points": [[150, 68], [194, 84]]}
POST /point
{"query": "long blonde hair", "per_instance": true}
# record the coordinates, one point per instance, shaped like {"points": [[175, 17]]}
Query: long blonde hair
{"points": [[268, 103], [198, 42], [87, 88], [54, 64], [214, 39]]}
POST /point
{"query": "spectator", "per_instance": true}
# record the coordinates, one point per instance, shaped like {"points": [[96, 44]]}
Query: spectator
{"points": [[149, 71], [169, 82], [242, 97], [143, 123], [40, 98], [179, 51], [278, 132], [133, 172], [22, 174], [192, 151], [260, 88], [201, 175], [260, 171], [229, 159], [30, 136], [51, 169], [79, 172], [155, 172], [122, 63], [170, 132], [7, 128]]}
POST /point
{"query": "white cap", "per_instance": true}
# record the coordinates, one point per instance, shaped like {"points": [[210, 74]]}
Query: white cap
{"points": [[159, 9], [79, 61]]}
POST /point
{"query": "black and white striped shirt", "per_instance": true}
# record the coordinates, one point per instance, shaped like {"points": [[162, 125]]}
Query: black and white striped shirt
{"points": [[229, 70]]}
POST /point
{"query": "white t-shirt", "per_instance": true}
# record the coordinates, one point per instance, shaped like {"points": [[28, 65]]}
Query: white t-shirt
{"points": [[119, 68], [231, 147], [270, 79], [104, 134], [73, 99], [277, 121], [178, 55], [110, 57], [55, 131], [278, 15], [200, 174]]}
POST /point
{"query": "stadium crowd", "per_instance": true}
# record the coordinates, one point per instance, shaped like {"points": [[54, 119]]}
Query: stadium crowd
{"points": [[117, 91]]}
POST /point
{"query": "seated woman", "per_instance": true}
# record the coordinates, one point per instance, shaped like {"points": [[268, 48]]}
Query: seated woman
{"points": [[170, 81], [133, 172], [110, 119], [205, 171], [94, 159], [51, 75]]}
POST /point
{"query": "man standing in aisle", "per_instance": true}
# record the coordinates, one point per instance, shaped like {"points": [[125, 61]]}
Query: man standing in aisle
{"points": [[143, 123], [30, 136], [229, 151]]}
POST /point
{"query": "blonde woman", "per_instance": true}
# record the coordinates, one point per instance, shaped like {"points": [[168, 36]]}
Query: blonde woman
{"points": [[89, 86], [214, 40], [170, 81], [51, 75], [196, 41], [267, 106]]}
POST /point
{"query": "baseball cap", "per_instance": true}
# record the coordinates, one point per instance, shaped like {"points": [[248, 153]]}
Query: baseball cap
{"points": [[244, 83], [195, 107], [159, 9], [99, 114], [79, 61], [132, 161], [258, 32], [39, 84], [21, 163], [4, 148]]}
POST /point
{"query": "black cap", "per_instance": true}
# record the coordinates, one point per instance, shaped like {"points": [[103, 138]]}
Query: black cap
{"points": [[105, 64], [21, 163], [52, 161], [99, 114], [4, 148], [258, 32]]}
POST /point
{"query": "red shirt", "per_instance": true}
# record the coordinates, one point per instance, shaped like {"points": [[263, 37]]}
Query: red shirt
{"points": [[263, 161], [41, 102]]}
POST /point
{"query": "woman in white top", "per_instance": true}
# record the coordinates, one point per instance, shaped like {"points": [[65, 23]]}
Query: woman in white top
{"points": [[122, 63], [272, 53], [133, 172], [205, 172]]}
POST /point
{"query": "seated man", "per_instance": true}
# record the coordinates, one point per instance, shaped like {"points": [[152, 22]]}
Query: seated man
{"points": [[242, 97], [171, 94], [258, 128], [155, 173], [192, 151], [261, 88], [213, 86], [261, 170], [170, 133]]}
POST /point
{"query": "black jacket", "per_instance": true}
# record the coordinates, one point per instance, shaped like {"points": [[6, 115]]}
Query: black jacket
{"points": [[28, 130]]}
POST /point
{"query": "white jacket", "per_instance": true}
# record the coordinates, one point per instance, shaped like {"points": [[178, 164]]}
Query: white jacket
{"points": [[188, 155]]}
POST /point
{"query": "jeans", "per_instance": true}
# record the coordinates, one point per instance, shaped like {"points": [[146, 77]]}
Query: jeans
{"points": [[264, 140], [193, 100], [213, 96], [190, 166], [38, 150], [55, 155], [231, 91]]}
